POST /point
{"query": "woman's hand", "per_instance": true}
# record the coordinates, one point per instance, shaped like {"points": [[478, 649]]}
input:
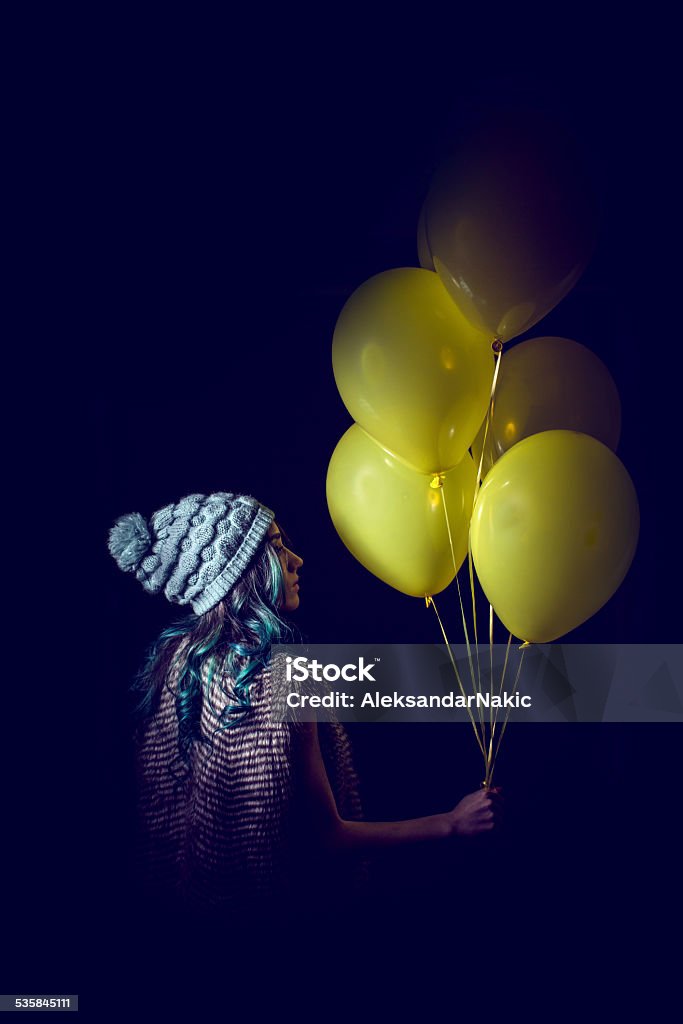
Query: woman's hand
{"points": [[478, 812]]}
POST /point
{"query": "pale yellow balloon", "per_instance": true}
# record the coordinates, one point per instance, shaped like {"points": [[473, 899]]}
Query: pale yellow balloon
{"points": [[392, 520], [550, 384], [553, 533], [411, 370], [511, 222]]}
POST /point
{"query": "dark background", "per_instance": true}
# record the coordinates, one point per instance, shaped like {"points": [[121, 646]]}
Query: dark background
{"points": [[205, 207]]}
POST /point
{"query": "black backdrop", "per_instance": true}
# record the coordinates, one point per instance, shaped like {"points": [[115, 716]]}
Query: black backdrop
{"points": [[217, 212]]}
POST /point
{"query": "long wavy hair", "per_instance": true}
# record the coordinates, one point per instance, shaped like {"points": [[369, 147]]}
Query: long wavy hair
{"points": [[234, 637]]}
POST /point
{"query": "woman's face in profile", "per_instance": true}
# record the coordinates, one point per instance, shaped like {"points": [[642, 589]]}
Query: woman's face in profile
{"points": [[290, 563]]}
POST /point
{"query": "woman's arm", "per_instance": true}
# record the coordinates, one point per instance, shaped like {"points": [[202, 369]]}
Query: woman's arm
{"points": [[474, 814]]}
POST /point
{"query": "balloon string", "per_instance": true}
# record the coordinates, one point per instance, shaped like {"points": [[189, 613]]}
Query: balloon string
{"points": [[502, 679], [500, 693], [470, 565], [498, 352], [480, 712], [507, 715], [490, 750], [430, 601], [497, 347], [469, 655]]}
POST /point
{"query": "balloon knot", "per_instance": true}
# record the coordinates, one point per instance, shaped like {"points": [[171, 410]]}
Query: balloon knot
{"points": [[523, 646], [428, 600], [497, 345], [437, 481]]}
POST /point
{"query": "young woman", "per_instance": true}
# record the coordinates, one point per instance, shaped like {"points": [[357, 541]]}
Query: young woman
{"points": [[237, 809]]}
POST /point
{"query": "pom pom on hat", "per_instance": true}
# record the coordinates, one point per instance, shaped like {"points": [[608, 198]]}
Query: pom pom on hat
{"points": [[129, 541]]}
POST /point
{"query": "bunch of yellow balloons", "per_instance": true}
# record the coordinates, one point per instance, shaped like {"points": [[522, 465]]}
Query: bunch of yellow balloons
{"points": [[554, 526]]}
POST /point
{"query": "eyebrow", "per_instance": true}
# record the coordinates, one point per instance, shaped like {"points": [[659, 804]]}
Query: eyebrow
{"points": [[275, 536]]}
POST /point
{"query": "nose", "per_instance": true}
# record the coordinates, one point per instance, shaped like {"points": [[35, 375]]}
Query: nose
{"points": [[294, 561]]}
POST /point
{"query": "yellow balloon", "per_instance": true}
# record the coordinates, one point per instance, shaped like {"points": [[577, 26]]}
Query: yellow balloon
{"points": [[392, 520], [553, 533], [550, 384], [411, 370], [511, 223]]}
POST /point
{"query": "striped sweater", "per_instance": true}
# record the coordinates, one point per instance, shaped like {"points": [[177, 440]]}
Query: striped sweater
{"points": [[235, 833]]}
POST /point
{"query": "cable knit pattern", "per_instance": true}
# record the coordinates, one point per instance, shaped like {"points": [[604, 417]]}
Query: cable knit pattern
{"points": [[199, 547], [227, 835]]}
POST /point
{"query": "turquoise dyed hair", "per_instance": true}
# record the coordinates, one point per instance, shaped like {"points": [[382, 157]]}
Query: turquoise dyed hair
{"points": [[235, 637]]}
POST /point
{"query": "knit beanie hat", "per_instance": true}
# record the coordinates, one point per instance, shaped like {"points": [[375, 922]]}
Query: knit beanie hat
{"points": [[195, 550]]}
